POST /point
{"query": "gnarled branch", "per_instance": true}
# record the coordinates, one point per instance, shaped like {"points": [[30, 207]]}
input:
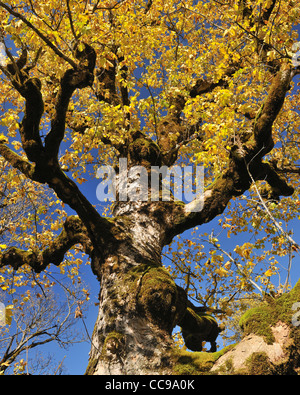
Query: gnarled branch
{"points": [[244, 159], [72, 80], [39, 33], [73, 233], [171, 131]]}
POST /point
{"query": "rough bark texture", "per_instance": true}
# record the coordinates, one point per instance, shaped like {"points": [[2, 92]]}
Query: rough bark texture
{"points": [[139, 302], [270, 346]]}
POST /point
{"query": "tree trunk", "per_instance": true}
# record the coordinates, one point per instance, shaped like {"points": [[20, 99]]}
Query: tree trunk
{"points": [[132, 334], [139, 304]]}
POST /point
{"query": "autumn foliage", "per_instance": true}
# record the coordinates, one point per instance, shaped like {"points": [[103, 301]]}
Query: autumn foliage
{"points": [[212, 83]]}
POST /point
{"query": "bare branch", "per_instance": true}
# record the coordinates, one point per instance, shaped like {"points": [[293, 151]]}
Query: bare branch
{"points": [[277, 225], [247, 278]]}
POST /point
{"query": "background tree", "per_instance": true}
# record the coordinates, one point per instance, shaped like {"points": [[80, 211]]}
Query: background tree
{"points": [[37, 321], [157, 83], [34, 314]]}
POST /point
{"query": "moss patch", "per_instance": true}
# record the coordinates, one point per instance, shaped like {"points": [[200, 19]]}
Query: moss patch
{"points": [[259, 364], [259, 320], [195, 363], [158, 297], [113, 343]]}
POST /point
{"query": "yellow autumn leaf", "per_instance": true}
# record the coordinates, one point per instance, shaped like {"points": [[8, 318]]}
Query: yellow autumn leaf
{"points": [[8, 314], [3, 139], [269, 273], [221, 272]]}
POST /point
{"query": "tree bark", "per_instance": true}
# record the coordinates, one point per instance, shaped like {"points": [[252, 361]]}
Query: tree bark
{"points": [[139, 304]]}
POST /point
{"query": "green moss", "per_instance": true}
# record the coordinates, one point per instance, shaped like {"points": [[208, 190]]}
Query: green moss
{"points": [[90, 370], [113, 342], [259, 320], [259, 364], [195, 363], [156, 280], [158, 298], [228, 367]]}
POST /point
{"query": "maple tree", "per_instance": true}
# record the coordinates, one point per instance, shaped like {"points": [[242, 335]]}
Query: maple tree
{"points": [[158, 83]]}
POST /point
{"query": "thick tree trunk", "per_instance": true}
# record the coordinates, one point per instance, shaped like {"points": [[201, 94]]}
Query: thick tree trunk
{"points": [[139, 304]]}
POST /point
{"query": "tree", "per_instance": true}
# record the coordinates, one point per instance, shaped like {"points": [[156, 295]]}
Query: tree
{"points": [[157, 83], [38, 320], [33, 314]]}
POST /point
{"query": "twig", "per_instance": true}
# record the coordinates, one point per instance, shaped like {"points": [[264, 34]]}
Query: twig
{"points": [[40, 34], [236, 265], [289, 270], [71, 20], [277, 225], [88, 335], [59, 366]]}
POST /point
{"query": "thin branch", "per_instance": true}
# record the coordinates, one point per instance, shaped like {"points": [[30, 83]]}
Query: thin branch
{"points": [[262, 42], [289, 269], [204, 17], [39, 16], [277, 225], [40, 34], [118, 3], [71, 20], [247, 278], [59, 366]]}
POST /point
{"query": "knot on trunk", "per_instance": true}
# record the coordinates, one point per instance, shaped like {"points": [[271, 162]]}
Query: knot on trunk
{"points": [[83, 75], [160, 299]]}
